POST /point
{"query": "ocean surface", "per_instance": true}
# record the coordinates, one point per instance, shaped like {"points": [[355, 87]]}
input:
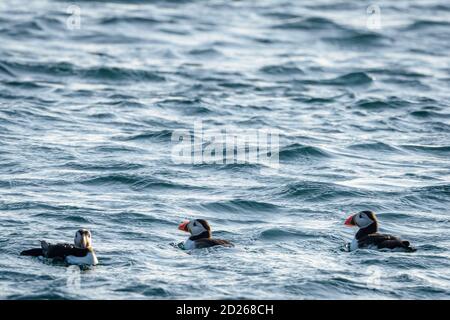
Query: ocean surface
{"points": [[87, 112]]}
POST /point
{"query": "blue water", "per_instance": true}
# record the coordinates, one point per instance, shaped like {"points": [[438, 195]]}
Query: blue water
{"points": [[86, 118]]}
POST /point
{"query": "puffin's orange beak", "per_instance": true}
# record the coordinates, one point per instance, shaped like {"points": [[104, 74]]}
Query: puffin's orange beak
{"points": [[183, 226], [84, 242], [350, 222]]}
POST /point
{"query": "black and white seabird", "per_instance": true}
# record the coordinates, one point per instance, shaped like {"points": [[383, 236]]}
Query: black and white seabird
{"points": [[200, 235], [79, 253], [368, 237]]}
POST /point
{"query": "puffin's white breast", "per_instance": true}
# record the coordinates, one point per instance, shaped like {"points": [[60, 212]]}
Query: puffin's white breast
{"points": [[89, 259], [189, 244], [354, 245]]}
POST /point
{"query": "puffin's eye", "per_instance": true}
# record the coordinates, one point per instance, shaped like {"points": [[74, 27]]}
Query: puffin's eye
{"points": [[195, 224]]}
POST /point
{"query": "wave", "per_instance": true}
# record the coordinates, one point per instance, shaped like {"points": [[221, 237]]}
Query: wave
{"points": [[424, 24], [429, 114], [27, 205], [159, 135], [359, 40], [435, 190], [108, 149], [125, 104], [39, 296], [281, 15], [26, 29], [206, 52], [77, 219], [397, 72], [231, 166], [375, 103], [349, 79], [287, 69], [120, 97], [235, 85], [116, 73], [373, 146], [24, 84], [135, 182], [318, 191], [297, 150], [6, 71], [130, 180], [186, 105], [65, 69], [429, 196], [145, 21], [254, 121], [311, 23], [312, 100], [146, 291], [185, 101], [435, 150], [284, 234], [240, 205], [116, 166], [132, 216]]}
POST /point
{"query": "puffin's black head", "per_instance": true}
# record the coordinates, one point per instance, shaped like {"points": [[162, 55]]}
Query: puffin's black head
{"points": [[196, 227], [362, 219]]}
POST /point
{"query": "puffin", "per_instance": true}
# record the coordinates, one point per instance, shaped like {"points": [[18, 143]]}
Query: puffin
{"points": [[200, 235], [79, 253], [368, 237]]}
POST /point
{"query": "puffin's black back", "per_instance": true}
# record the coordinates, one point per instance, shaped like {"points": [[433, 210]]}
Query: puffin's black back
{"points": [[206, 243], [385, 241], [37, 252], [60, 250]]}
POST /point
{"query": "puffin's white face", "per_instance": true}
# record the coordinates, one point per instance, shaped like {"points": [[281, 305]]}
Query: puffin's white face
{"points": [[83, 239], [194, 227], [361, 220]]}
